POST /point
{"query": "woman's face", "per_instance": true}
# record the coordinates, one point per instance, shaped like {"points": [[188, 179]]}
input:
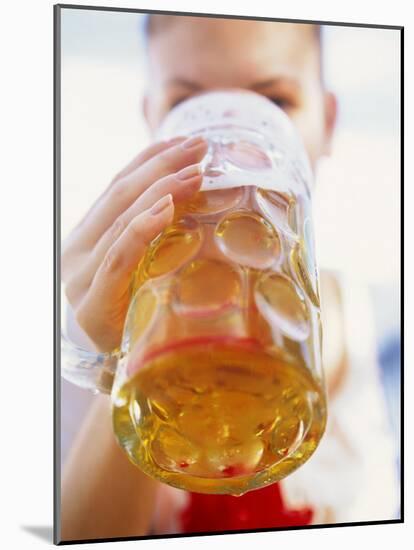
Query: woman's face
{"points": [[278, 60]]}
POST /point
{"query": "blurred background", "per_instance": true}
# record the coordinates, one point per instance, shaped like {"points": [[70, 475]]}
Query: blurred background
{"points": [[357, 199]]}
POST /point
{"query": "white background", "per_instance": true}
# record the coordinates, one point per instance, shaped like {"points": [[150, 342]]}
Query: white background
{"points": [[27, 277]]}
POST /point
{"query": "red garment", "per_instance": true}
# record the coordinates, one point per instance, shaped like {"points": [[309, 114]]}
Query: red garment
{"points": [[260, 509]]}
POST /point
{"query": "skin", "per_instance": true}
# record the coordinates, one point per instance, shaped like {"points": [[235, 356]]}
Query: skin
{"points": [[280, 61], [101, 253]]}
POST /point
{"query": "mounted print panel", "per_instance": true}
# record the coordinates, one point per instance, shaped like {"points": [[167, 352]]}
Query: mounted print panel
{"points": [[229, 222]]}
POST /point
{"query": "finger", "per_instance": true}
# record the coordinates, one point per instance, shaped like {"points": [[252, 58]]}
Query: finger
{"points": [[181, 186], [142, 157], [169, 161], [126, 190], [147, 154], [103, 309]]}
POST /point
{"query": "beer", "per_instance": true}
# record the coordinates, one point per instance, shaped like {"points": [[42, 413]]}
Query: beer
{"points": [[226, 403], [220, 388]]}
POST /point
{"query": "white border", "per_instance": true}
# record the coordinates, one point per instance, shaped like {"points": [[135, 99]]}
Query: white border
{"points": [[26, 286]]}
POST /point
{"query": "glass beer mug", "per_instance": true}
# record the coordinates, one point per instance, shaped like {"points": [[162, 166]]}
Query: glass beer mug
{"points": [[220, 385]]}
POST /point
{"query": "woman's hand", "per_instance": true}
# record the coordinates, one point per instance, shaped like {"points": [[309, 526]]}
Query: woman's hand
{"points": [[101, 253]]}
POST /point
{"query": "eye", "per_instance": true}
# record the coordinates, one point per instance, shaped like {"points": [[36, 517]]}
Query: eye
{"points": [[281, 102], [177, 101]]}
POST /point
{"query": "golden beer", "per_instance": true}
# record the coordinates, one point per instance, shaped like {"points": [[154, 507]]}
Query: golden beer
{"points": [[220, 388]]}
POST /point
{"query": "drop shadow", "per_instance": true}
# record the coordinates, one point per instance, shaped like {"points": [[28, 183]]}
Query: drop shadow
{"points": [[43, 532]]}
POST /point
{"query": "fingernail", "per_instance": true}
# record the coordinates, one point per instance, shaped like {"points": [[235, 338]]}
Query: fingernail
{"points": [[193, 142], [189, 172], [161, 205]]}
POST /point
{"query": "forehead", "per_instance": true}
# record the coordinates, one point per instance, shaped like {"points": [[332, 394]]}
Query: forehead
{"points": [[229, 52]]}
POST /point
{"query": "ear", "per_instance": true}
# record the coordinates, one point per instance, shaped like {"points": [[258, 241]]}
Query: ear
{"points": [[331, 111]]}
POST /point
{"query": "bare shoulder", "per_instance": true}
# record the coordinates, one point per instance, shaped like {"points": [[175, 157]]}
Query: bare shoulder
{"points": [[334, 352]]}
